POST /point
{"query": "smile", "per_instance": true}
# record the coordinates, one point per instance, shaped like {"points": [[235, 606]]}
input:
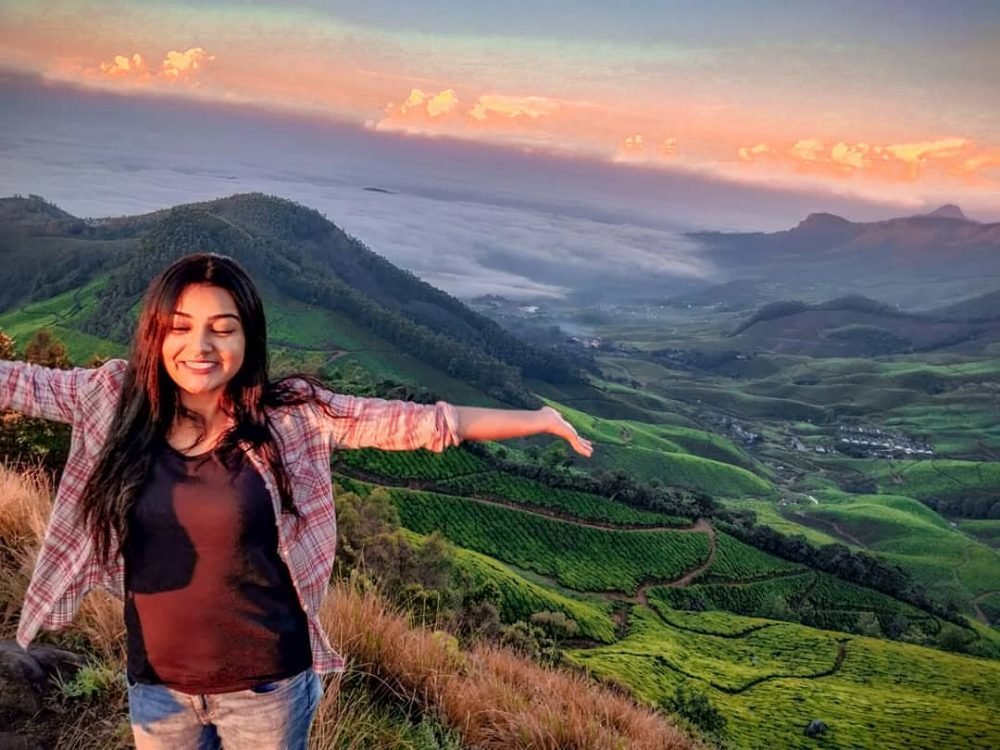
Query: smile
{"points": [[200, 366]]}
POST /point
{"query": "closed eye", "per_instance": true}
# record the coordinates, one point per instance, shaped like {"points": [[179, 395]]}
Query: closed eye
{"points": [[218, 333]]}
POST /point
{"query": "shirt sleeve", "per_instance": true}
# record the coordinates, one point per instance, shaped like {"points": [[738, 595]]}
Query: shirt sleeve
{"points": [[390, 425], [43, 392]]}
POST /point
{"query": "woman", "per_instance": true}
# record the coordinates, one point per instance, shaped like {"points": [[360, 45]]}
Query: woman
{"points": [[199, 491]]}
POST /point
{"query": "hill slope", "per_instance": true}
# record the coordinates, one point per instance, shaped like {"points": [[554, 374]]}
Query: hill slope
{"points": [[300, 253]]}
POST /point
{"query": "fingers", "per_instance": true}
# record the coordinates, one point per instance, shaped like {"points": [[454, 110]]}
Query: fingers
{"points": [[568, 432], [582, 446]]}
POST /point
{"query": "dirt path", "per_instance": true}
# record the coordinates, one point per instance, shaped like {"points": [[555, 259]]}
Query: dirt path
{"points": [[980, 615], [640, 596], [806, 520], [685, 580]]}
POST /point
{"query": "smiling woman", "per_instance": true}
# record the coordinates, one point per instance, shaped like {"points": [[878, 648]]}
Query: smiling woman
{"points": [[204, 490]]}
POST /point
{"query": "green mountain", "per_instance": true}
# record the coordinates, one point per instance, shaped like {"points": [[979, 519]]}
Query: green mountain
{"points": [[296, 254]]}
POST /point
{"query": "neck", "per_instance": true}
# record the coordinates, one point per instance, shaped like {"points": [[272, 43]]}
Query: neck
{"points": [[208, 406]]}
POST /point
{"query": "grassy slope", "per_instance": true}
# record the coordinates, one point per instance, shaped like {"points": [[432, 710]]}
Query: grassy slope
{"points": [[62, 314], [910, 534], [985, 530], [934, 478], [521, 597], [662, 452], [770, 682]]}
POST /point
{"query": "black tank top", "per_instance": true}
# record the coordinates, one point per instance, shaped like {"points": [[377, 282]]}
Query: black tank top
{"points": [[210, 606]]}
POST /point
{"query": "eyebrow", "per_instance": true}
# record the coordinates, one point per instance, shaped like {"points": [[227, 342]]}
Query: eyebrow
{"points": [[210, 317]]}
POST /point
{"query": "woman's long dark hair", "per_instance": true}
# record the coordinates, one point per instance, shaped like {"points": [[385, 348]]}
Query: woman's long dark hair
{"points": [[149, 400]]}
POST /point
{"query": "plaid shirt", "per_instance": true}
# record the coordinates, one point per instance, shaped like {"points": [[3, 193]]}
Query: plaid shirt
{"points": [[67, 566]]}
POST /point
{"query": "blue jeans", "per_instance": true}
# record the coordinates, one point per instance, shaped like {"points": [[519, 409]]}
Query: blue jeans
{"points": [[274, 716]]}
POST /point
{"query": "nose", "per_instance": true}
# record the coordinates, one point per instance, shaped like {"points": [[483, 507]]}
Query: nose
{"points": [[203, 342]]}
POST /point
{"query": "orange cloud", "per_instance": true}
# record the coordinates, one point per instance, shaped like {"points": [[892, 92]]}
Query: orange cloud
{"points": [[807, 150], [633, 143], [748, 153], [638, 150], [918, 153], [177, 67], [512, 107], [433, 105], [907, 161], [126, 67], [668, 147], [989, 159], [526, 120], [184, 66], [419, 112]]}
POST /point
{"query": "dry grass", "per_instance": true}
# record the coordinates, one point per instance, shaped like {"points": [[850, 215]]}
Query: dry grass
{"points": [[493, 698], [25, 505]]}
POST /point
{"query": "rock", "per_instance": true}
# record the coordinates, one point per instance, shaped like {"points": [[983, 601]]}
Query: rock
{"points": [[25, 678], [815, 728], [10, 741]]}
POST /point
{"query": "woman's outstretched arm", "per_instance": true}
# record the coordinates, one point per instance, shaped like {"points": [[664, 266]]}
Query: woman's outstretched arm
{"points": [[43, 392], [405, 425], [478, 423]]}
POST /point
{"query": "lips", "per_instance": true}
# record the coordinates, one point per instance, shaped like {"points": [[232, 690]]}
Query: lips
{"points": [[200, 366]]}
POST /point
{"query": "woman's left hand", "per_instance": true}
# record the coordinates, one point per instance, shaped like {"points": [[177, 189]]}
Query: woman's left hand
{"points": [[559, 427]]}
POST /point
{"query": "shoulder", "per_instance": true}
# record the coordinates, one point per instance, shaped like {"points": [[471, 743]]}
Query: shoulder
{"points": [[109, 375], [104, 382], [294, 397]]}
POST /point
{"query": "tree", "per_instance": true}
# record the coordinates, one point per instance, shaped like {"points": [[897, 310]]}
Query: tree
{"points": [[47, 350], [23, 438], [696, 707], [6, 346], [555, 457]]}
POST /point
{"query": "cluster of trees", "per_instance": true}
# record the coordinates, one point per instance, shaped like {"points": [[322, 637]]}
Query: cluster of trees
{"points": [[695, 706], [967, 504], [552, 470], [871, 341], [27, 440]]}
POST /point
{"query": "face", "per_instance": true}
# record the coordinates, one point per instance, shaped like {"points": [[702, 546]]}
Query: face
{"points": [[203, 349]]}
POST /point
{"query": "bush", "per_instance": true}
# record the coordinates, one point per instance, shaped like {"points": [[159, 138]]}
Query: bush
{"points": [[697, 708]]}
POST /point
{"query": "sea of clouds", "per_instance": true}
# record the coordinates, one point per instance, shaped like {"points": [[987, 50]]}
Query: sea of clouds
{"points": [[469, 219]]}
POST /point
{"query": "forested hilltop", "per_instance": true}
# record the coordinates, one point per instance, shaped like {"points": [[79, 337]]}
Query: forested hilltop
{"points": [[291, 249]]}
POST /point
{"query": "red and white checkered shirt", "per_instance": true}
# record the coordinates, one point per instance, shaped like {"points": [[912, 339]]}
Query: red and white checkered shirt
{"points": [[67, 566]]}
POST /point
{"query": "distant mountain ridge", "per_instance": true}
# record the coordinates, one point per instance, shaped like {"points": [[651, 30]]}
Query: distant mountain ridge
{"points": [[293, 248], [948, 211], [856, 326], [922, 260]]}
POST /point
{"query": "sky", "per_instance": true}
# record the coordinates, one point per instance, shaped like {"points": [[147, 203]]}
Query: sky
{"points": [[583, 131]]}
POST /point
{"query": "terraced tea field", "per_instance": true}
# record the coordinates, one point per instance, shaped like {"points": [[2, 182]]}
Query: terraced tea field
{"points": [[769, 680]]}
